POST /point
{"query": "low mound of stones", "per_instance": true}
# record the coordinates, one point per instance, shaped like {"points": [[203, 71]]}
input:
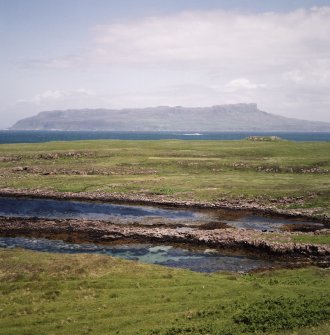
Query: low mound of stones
{"points": [[264, 138], [101, 231]]}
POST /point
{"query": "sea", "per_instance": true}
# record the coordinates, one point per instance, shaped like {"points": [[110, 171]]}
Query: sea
{"points": [[36, 136]]}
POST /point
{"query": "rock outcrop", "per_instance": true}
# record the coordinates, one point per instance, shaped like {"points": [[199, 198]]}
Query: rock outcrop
{"points": [[100, 231]]}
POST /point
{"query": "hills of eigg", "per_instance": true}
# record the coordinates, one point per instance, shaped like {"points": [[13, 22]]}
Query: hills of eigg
{"points": [[235, 117]]}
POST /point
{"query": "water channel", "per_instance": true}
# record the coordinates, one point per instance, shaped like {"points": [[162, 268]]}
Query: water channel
{"points": [[200, 260], [196, 259], [119, 213]]}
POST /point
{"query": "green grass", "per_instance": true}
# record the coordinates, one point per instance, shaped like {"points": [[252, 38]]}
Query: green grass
{"points": [[316, 239], [44, 293], [88, 294], [196, 170]]}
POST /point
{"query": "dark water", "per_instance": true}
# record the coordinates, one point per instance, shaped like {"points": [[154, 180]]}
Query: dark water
{"points": [[206, 260], [67, 209], [270, 224], [22, 136]]}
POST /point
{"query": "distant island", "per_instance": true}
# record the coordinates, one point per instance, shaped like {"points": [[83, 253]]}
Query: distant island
{"points": [[234, 117]]}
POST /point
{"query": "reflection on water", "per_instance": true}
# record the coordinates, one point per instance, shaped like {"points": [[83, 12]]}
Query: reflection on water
{"points": [[68, 209], [207, 260], [270, 224]]}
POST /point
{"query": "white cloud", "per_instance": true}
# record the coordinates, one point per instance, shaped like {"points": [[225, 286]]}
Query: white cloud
{"points": [[216, 39], [58, 95], [242, 84], [270, 58], [279, 60], [47, 95]]}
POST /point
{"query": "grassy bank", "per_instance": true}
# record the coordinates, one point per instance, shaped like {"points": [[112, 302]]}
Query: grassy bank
{"points": [[90, 294], [194, 170]]}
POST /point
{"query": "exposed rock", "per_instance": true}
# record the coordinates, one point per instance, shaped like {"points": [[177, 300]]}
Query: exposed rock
{"points": [[100, 231], [70, 154], [10, 158], [83, 171], [264, 138]]}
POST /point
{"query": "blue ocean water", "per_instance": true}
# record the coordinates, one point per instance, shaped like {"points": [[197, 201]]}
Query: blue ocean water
{"points": [[26, 136]]}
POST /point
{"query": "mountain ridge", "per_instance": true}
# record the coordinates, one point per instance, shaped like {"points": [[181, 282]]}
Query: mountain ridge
{"points": [[231, 117]]}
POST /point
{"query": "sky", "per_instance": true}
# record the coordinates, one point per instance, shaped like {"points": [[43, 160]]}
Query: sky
{"points": [[68, 54]]}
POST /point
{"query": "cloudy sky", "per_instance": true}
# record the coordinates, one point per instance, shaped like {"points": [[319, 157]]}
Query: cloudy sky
{"points": [[62, 54]]}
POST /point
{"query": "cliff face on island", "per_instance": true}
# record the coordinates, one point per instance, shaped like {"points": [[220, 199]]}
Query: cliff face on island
{"points": [[236, 117]]}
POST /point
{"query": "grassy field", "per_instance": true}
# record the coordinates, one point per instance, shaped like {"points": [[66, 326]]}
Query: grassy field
{"points": [[88, 294], [195, 170], [92, 294]]}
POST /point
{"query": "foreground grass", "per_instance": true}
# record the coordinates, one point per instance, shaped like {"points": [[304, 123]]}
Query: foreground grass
{"points": [[92, 294], [199, 170]]}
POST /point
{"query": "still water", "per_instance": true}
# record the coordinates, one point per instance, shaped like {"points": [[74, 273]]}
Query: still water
{"points": [[206, 260], [273, 224], [68, 209], [201, 260]]}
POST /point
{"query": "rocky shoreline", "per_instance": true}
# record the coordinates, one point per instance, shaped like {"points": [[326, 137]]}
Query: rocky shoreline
{"points": [[263, 244], [157, 200], [74, 230]]}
